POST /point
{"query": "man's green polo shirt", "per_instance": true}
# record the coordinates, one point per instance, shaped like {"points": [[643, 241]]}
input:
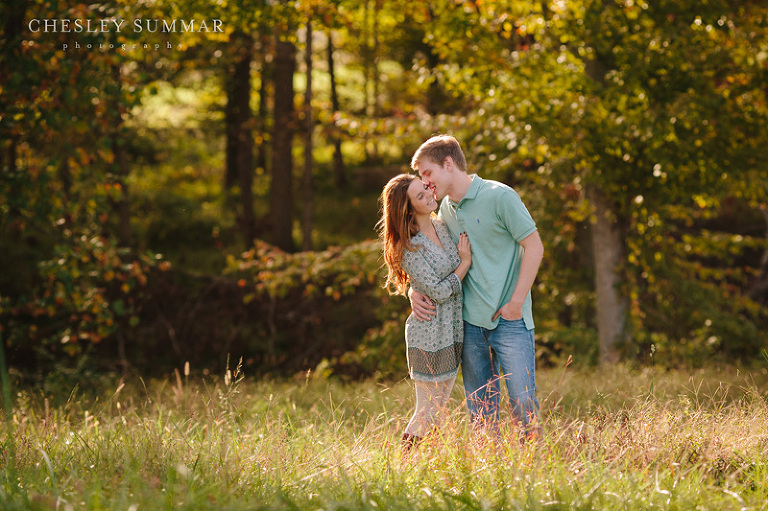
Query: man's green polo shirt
{"points": [[496, 220]]}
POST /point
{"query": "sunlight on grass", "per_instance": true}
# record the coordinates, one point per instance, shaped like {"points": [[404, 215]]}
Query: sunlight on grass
{"points": [[613, 437]]}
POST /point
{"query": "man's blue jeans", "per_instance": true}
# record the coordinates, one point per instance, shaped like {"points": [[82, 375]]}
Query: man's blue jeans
{"points": [[506, 352]]}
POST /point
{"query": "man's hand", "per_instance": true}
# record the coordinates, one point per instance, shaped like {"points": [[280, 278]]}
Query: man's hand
{"points": [[422, 306], [510, 311]]}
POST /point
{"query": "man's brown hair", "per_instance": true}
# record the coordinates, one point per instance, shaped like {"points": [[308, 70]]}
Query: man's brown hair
{"points": [[437, 149]]}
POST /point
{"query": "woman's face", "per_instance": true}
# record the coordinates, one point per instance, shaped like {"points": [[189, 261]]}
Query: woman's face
{"points": [[422, 199]]}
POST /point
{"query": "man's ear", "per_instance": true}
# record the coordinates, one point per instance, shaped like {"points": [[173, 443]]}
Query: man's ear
{"points": [[448, 163]]}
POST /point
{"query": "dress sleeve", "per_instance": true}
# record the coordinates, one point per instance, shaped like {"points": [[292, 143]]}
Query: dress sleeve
{"points": [[425, 280]]}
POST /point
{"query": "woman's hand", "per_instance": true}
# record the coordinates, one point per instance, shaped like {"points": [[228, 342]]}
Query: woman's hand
{"points": [[465, 254], [465, 248]]}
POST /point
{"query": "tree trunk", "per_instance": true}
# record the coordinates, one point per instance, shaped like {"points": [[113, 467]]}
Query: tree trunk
{"points": [[281, 196], [306, 183], [239, 119], [264, 75], [609, 257], [608, 251], [245, 141], [366, 51], [123, 204], [9, 168], [375, 73], [121, 164], [338, 161], [230, 150], [758, 291], [15, 12]]}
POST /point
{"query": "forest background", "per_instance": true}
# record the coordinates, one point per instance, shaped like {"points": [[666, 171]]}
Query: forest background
{"points": [[201, 196]]}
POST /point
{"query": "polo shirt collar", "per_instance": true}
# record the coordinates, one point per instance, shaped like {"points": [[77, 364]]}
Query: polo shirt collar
{"points": [[472, 191]]}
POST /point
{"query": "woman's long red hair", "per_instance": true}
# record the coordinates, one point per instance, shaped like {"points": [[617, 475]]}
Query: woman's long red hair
{"points": [[396, 227]]}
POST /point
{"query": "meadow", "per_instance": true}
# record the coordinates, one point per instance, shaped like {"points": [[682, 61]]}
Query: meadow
{"points": [[615, 438]]}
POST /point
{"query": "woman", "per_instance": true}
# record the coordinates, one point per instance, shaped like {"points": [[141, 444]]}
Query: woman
{"points": [[419, 251]]}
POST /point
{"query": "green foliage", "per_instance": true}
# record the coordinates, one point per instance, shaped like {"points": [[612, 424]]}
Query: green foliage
{"points": [[382, 352], [334, 272], [68, 153], [348, 279], [650, 103], [348, 275], [689, 300], [661, 105], [90, 290]]}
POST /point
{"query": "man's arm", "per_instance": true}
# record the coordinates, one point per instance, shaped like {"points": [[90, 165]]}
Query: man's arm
{"points": [[529, 267]]}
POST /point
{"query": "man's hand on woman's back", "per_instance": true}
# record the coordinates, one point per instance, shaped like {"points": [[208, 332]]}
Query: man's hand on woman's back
{"points": [[422, 306]]}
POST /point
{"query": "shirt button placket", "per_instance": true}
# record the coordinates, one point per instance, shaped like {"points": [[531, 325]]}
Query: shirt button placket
{"points": [[460, 218]]}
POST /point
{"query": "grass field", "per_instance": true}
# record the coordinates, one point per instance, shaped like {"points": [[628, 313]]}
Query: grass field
{"points": [[614, 438]]}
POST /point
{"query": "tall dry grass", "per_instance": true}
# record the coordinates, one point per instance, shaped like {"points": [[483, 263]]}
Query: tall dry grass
{"points": [[614, 439]]}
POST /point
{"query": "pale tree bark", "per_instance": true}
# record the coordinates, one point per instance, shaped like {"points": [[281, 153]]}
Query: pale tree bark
{"points": [[281, 195], [612, 305], [609, 257]]}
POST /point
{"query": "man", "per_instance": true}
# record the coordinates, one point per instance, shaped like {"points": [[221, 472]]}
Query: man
{"points": [[506, 254]]}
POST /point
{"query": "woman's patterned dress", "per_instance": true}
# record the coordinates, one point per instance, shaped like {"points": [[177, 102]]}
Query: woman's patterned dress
{"points": [[434, 347]]}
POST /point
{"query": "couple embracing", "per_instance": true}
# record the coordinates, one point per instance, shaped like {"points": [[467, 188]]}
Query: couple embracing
{"points": [[468, 273]]}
